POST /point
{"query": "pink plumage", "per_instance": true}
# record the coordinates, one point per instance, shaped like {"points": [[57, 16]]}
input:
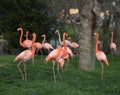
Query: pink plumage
{"points": [[24, 56], [47, 46], [112, 44], [27, 43], [100, 55]]}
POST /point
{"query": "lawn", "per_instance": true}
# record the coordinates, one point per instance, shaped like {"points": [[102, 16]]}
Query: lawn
{"points": [[74, 81]]}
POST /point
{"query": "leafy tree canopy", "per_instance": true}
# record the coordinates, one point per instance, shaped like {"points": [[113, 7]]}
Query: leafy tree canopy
{"points": [[32, 15]]}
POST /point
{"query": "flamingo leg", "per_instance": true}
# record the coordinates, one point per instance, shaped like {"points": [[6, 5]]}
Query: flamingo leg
{"points": [[36, 52], [41, 54], [25, 71], [20, 69], [102, 72], [58, 71], [48, 51], [54, 72], [66, 65], [33, 60], [112, 53]]}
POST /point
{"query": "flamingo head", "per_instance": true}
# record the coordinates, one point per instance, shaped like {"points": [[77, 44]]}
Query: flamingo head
{"points": [[111, 32], [26, 33], [43, 35], [96, 34], [65, 34], [57, 31], [20, 28], [34, 36]]}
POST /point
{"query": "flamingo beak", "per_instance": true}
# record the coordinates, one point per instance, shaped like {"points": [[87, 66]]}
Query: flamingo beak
{"points": [[94, 33], [43, 35], [56, 31], [18, 29]]}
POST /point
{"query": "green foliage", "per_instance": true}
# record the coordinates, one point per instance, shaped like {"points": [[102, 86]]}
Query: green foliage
{"points": [[32, 15], [74, 81]]}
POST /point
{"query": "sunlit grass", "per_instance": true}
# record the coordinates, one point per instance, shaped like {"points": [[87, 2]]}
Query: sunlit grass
{"points": [[74, 81]]}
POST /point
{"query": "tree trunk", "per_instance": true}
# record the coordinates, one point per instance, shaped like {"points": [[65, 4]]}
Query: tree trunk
{"points": [[75, 29], [117, 27], [88, 18]]}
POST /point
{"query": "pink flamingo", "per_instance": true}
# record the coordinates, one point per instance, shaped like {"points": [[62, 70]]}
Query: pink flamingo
{"points": [[27, 43], [100, 55], [46, 45], [37, 44], [38, 47], [68, 43], [74, 44], [68, 50], [24, 56], [26, 35], [56, 55], [112, 44]]}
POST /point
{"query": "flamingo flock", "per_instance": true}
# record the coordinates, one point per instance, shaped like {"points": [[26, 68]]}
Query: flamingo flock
{"points": [[24, 56], [59, 56]]}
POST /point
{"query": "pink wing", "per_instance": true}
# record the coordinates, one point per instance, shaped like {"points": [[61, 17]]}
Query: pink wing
{"points": [[38, 45], [24, 56], [48, 46], [113, 46], [75, 45], [100, 55], [52, 55], [27, 43]]}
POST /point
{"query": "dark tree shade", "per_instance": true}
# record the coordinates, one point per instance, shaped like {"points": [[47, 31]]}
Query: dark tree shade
{"points": [[32, 15]]}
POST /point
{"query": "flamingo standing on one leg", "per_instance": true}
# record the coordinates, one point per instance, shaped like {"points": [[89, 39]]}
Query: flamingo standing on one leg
{"points": [[27, 43], [100, 55], [112, 44], [47, 46], [25, 56]]}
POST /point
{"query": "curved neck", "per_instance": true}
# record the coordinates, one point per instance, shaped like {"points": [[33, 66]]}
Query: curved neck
{"points": [[59, 37], [96, 48], [33, 42], [27, 35], [64, 43], [44, 39], [21, 31], [112, 37]]}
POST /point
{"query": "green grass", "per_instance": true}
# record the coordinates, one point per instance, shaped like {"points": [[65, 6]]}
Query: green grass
{"points": [[74, 81]]}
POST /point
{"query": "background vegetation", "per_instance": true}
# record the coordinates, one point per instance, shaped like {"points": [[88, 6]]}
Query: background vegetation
{"points": [[74, 81], [31, 15]]}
